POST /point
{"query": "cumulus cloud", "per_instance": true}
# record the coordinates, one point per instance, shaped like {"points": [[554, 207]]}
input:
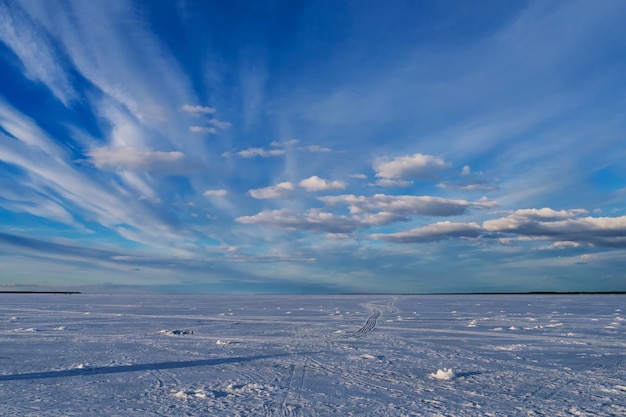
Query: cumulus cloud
{"points": [[198, 109], [313, 220], [281, 190], [216, 193], [316, 183], [526, 219], [562, 225], [565, 228], [562, 245], [417, 166], [406, 205], [366, 212], [132, 158]]}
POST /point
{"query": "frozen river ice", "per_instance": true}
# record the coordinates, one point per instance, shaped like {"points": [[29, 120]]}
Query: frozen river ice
{"points": [[360, 355]]}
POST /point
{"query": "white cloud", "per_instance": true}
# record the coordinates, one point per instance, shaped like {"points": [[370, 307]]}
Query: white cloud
{"points": [[34, 49], [198, 109], [338, 236], [316, 183], [565, 228], [281, 190], [418, 166], [406, 205], [263, 153], [562, 226], [215, 193], [562, 245], [289, 142], [132, 158], [202, 129], [527, 218], [467, 186], [26, 130], [313, 220], [220, 124], [548, 213], [466, 171], [365, 212], [384, 182], [359, 176], [27, 201], [52, 178], [125, 72], [315, 149], [436, 231]]}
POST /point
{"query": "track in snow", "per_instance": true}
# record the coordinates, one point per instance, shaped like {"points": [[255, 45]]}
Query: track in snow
{"points": [[369, 325]]}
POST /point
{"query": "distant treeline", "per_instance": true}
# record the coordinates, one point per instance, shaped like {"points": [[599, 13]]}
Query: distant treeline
{"points": [[494, 293], [39, 292]]}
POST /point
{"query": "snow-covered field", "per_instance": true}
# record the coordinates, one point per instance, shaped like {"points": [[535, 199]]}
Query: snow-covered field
{"points": [[129, 355]]}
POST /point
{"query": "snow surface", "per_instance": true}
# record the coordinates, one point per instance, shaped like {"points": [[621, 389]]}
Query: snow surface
{"points": [[157, 355]]}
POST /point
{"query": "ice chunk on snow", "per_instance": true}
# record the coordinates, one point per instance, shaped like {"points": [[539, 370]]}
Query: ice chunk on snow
{"points": [[444, 374]]}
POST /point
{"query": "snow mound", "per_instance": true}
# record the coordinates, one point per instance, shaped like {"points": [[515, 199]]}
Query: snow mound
{"points": [[189, 394], [225, 392], [25, 330], [443, 374], [226, 342]]}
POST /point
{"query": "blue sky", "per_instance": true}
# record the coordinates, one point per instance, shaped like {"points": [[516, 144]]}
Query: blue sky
{"points": [[324, 146]]}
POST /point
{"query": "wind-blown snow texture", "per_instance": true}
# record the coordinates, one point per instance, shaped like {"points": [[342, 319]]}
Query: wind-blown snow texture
{"points": [[95, 355]]}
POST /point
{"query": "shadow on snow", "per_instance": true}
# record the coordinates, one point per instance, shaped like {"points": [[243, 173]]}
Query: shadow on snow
{"points": [[102, 370]]}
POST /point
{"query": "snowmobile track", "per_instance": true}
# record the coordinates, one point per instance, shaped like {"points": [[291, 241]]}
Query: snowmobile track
{"points": [[369, 325]]}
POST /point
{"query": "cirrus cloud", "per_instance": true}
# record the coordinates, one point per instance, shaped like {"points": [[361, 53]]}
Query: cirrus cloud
{"points": [[260, 152], [315, 149], [198, 109], [202, 129], [128, 157], [216, 193], [432, 232]]}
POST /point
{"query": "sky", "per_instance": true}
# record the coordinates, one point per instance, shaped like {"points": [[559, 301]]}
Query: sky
{"points": [[313, 146]]}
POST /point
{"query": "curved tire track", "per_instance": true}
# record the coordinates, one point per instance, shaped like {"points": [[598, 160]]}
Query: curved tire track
{"points": [[369, 325]]}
